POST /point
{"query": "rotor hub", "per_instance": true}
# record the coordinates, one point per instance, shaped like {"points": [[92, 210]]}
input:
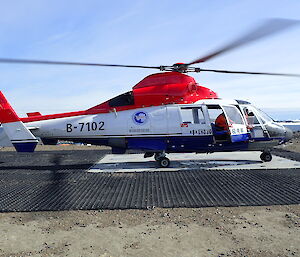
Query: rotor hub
{"points": [[180, 67]]}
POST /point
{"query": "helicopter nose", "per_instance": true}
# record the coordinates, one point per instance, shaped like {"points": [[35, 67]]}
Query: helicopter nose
{"points": [[277, 130], [288, 134]]}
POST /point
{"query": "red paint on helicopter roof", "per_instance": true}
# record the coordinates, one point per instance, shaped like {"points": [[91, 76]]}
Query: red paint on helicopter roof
{"points": [[7, 113], [53, 116], [154, 90], [161, 89], [31, 114], [166, 78]]}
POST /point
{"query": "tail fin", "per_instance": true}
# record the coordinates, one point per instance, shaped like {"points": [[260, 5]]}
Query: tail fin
{"points": [[22, 139]]}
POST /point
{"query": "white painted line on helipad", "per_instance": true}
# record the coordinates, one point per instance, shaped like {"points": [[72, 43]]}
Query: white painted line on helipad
{"points": [[191, 161]]}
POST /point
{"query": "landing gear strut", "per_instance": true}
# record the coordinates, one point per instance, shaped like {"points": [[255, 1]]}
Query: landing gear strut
{"points": [[266, 156], [162, 160], [158, 156]]}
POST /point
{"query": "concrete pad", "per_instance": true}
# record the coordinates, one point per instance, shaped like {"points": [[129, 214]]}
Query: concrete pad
{"points": [[191, 161]]}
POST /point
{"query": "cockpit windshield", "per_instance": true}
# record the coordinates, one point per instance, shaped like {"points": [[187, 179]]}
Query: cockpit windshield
{"points": [[263, 116]]}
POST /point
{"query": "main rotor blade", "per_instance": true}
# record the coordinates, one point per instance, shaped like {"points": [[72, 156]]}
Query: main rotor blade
{"points": [[268, 28], [252, 73], [24, 61]]}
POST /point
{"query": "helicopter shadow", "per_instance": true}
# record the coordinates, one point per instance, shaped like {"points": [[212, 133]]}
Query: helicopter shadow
{"points": [[56, 187]]}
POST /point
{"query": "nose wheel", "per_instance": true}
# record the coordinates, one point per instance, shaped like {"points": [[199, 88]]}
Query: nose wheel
{"points": [[266, 157]]}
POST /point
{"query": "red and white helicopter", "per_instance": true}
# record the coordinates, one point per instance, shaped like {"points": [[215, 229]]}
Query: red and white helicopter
{"points": [[166, 112]]}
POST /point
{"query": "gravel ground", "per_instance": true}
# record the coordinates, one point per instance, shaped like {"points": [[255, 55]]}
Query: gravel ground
{"points": [[238, 231], [243, 231]]}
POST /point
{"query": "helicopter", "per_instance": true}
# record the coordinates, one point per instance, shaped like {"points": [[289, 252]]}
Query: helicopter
{"points": [[166, 112]]}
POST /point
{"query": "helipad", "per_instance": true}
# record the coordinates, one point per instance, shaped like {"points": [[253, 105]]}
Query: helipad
{"points": [[64, 180], [191, 161]]}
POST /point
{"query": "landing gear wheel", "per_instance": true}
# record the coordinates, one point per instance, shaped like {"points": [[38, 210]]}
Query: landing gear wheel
{"points": [[266, 157], [164, 162]]}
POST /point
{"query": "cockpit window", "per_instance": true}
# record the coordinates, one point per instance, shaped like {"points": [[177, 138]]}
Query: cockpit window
{"points": [[122, 100], [250, 116], [234, 116], [256, 116], [264, 117]]}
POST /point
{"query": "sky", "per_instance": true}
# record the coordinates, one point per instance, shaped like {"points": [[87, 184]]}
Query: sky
{"points": [[141, 32]]}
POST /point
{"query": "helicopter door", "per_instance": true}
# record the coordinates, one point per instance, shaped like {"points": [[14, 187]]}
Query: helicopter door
{"points": [[236, 125], [257, 129], [194, 121]]}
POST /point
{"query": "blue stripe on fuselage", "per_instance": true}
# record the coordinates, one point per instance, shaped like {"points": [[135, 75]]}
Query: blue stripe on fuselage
{"points": [[172, 144], [178, 143], [240, 137]]}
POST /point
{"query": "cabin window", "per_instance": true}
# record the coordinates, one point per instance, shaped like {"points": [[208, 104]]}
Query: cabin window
{"points": [[122, 100], [192, 115], [214, 111], [233, 115]]}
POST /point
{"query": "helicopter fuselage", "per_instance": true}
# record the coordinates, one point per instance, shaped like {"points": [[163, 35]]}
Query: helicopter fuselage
{"points": [[169, 128]]}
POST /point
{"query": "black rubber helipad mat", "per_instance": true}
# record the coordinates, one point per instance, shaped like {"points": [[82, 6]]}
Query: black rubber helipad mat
{"points": [[59, 181]]}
